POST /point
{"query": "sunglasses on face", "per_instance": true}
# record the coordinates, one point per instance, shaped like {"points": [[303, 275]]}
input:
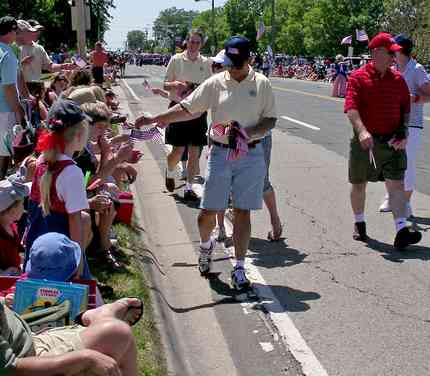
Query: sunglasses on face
{"points": [[194, 42]]}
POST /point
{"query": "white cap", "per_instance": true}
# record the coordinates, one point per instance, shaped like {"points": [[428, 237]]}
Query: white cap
{"points": [[25, 26], [221, 58]]}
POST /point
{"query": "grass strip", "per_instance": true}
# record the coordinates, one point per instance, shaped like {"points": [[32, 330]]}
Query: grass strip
{"points": [[131, 282]]}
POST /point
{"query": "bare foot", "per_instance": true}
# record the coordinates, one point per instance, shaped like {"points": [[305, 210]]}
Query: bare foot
{"points": [[126, 309]]}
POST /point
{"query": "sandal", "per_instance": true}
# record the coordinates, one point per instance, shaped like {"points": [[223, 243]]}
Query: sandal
{"points": [[273, 236]]}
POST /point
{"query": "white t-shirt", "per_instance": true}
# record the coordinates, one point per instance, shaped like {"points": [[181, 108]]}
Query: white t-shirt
{"points": [[70, 187], [41, 60]]}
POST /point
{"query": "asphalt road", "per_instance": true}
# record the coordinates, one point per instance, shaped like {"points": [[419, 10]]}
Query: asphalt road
{"points": [[361, 309]]}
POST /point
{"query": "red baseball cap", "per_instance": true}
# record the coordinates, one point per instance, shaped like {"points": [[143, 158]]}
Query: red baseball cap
{"points": [[384, 40]]}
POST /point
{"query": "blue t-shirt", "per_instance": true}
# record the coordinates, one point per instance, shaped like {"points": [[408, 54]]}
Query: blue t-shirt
{"points": [[8, 73]]}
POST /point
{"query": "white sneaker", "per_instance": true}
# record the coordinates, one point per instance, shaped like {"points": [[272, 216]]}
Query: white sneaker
{"points": [[385, 206], [205, 258], [239, 279]]}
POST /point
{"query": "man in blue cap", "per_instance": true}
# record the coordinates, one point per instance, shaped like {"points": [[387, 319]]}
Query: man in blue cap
{"points": [[418, 82], [243, 111]]}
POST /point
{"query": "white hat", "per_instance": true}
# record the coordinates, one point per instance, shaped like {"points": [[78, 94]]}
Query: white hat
{"points": [[25, 26], [221, 58], [11, 190]]}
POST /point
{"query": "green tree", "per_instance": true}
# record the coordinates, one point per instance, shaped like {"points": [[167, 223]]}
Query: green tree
{"points": [[242, 18], [203, 21], [173, 22], [411, 17], [136, 39], [55, 15]]}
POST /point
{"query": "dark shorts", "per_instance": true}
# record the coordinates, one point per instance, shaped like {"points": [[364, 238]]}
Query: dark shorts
{"points": [[98, 75], [390, 164], [190, 132]]}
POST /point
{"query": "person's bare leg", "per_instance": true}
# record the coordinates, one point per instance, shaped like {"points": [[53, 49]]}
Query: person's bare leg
{"points": [[358, 198], [207, 223], [408, 195], [241, 232], [116, 310], [4, 165], [220, 216], [105, 224], [193, 163], [270, 202], [174, 157], [87, 233], [397, 197], [113, 338]]}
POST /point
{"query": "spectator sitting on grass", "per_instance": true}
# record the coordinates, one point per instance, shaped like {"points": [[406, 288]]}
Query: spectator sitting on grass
{"points": [[39, 110], [103, 346], [58, 198], [59, 84], [12, 194]]}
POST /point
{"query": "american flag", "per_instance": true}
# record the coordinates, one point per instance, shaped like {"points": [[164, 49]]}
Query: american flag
{"points": [[361, 36], [261, 30], [218, 130], [347, 40], [149, 134]]}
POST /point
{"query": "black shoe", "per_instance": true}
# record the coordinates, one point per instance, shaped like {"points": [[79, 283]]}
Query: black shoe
{"points": [[360, 233], [405, 237], [191, 196], [170, 183]]}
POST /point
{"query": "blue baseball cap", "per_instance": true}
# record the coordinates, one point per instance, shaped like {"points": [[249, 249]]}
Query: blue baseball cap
{"points": [[54, 257], [405, 42], [238, 50]]}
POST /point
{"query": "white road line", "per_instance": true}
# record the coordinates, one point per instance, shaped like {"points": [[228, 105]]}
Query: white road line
{"points": [[301, 123], [280, 318], [130, 90]]}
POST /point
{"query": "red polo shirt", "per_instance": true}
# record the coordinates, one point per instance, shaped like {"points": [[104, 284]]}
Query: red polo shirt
{"points": [[380, 101]]}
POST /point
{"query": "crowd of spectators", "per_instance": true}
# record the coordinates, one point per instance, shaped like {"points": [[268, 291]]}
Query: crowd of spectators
{"points": [[63, 166]]}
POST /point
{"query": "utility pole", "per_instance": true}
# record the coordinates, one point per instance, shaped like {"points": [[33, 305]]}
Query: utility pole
{"points": [[81, 27]]}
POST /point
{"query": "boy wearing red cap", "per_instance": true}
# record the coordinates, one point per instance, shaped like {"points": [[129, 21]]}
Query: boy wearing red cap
{"points": [[378, 106]]}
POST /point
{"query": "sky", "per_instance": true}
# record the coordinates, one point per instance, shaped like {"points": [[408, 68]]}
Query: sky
{"points": [[140, 14]]}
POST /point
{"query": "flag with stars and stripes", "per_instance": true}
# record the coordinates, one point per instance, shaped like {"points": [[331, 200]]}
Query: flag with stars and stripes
{"points": [[148, 134]]}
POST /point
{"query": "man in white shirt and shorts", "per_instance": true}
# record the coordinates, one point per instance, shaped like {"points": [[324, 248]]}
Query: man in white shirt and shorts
{"points": [[418, 82], [242, 108]]}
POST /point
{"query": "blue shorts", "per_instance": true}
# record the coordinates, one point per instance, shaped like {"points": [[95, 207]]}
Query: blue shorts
{"points": [[243, 179]]}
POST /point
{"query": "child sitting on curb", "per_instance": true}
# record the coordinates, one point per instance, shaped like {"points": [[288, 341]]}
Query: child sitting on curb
{"points": [[12, 194]]}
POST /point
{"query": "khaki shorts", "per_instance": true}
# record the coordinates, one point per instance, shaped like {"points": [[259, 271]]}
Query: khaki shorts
{"points": [[390, 164], [59, 341]]}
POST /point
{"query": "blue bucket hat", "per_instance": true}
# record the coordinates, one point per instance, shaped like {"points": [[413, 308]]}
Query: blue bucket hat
{"points": [[54, 257]]}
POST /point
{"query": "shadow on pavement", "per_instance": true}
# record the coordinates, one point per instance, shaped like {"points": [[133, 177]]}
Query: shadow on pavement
{"points": [[414, 252], [274, 254], [291, 300], [180, 199]]}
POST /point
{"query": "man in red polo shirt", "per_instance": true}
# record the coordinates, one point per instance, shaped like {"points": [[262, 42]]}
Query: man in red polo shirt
{"points": [[378, 106], [98, 59]]}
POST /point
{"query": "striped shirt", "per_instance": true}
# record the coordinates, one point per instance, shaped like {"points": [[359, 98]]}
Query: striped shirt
{"points": [[415, 76]]}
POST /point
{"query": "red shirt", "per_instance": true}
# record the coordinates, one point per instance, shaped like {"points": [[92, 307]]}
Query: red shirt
{"points": [[10, 247], [380, 101], [99, 58]]}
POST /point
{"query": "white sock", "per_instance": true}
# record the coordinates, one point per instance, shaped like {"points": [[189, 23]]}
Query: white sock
{"points": [[206, 245], [359, 217], [400, 223], [188, 187], [171, 173], [240, 263]]}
